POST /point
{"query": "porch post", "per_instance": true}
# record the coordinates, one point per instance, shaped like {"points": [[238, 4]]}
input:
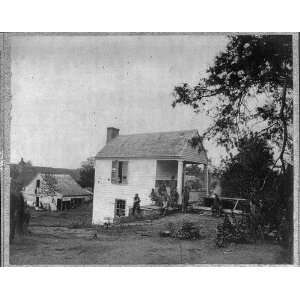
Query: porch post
{"points": [[179, 180]]}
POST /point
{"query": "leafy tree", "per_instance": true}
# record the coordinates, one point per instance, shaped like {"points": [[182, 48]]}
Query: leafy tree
{"points": [[48, 184], [248, 94], [243, 174], [249, 88], [87, 173]]}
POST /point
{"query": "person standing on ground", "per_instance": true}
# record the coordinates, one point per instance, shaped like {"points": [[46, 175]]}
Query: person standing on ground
{"points": [[136, 204], [217, 206]]}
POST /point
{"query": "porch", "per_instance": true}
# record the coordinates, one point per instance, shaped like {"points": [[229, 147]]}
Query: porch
{"points": [[173, 175]]}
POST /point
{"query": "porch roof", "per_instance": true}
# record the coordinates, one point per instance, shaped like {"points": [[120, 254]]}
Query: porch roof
{"points": [[160, 145]]}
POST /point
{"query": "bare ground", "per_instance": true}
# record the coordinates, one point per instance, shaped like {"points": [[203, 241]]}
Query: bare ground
{"points": [[68, 238]]}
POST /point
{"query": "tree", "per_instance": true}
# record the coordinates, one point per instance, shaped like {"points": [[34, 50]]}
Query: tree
{"points": [[48, 184], [243, 174], [87, 173], [248, 92], [248, 89]]}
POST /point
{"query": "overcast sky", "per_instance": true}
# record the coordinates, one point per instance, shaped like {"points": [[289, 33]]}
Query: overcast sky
{"points": [[67, 89]]}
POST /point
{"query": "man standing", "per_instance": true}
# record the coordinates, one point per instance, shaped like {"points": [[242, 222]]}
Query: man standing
{"points": [[165, 202], [136, 204], [174, 197], [217, 206]]}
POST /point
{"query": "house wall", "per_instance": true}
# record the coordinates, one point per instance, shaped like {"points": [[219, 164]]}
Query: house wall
{"points": [[48, 202], [141, 179], [29, 191], [29, 198]]}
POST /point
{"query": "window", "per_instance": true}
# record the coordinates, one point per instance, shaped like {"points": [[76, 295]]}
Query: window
{"points": [[37, 201], [38, 183], [119, 172], [120, 206]]}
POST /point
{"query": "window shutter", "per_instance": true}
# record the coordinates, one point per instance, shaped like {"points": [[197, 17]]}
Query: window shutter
{"points": [[114, 171], [125, 172]]}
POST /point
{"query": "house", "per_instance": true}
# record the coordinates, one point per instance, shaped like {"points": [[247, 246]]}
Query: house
{"points": [[137, 163], [54, 192]]}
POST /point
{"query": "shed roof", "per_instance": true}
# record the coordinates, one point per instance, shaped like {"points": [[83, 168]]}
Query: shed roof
{"points": [[160, 145]]}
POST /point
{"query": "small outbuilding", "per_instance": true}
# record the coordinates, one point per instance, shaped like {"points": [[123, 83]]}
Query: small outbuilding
{"points": [[137, 163], [54, 192]]}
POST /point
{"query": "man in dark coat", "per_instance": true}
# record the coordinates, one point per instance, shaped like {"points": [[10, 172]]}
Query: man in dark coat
{"points": [[217, 206], [174, 197], [136, 204]]}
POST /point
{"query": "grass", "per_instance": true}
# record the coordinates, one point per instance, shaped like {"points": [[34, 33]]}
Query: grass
{"points": [[68, 238]]}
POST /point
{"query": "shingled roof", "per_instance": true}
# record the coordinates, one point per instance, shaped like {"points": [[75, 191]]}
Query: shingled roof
{"points": [[67, 186], [160, 145]]}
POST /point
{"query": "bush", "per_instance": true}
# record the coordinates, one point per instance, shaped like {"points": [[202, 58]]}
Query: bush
{"points": [[184, 231]]}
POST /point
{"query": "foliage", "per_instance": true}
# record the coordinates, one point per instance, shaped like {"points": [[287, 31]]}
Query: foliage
{"points": [[183, 230], [194, 170], [237, 231], [48, 184], [244, 174], [248, 89], [17, 210], [87, 173]]}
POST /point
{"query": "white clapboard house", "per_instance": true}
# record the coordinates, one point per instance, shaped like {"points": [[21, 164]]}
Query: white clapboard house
{"points": [[137, 163]]}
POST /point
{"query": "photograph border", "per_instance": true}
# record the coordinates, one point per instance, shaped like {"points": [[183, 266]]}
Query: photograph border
{"points": [[5, 122]]}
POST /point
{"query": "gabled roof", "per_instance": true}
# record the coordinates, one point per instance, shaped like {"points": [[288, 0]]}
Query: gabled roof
{"points": [[160, 145], [24, 174], [67, 186]]}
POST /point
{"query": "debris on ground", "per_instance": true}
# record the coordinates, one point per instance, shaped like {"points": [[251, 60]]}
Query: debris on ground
{"points": [[184, 231], [233, 231]]}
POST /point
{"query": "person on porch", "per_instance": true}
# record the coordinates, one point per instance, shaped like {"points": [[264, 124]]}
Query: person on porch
{"points": [[165, 203], [174, 197]]}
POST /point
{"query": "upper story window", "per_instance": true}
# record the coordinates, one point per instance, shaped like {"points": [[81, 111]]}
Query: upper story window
{"points": [[119, 172]]}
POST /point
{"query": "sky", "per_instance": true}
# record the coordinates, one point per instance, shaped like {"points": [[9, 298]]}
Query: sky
{"points": [[66, 90]]}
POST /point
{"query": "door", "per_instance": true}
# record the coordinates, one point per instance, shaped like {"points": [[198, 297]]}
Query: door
{"points": [[59, 204]]}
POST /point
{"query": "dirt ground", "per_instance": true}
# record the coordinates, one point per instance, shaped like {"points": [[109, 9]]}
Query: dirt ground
{"points": [[68, 238]]}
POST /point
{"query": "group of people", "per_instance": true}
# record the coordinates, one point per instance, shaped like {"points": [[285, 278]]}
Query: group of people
{"points": [[163, 199]]}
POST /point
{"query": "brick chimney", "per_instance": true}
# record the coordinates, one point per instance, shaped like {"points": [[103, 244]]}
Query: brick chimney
{"points": [[111, 133]]}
